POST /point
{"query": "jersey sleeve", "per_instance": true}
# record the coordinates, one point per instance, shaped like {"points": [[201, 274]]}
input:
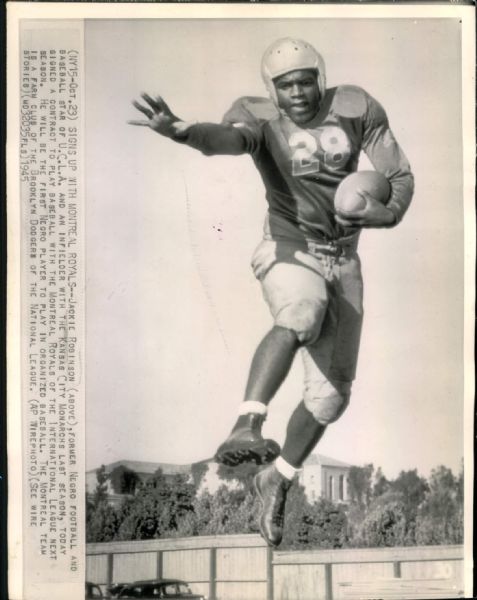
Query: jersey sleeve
{"points": [[387, 157], [212, 138], [239, 133]]}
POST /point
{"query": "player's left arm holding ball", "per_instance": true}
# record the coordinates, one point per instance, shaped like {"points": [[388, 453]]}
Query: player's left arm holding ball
{"points": [[387, 157]]}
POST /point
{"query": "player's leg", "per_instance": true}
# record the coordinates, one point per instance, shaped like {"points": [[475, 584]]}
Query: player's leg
{"points": [[270, 365], [302, 435], [272, 484], [304, 430], [297, 297], [330, 366]]}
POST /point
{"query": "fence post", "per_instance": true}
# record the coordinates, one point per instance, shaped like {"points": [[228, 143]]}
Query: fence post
{"points": [[329, 581], [159, 565], [397, 568], [213, 574], [269, 573], [109, 568]]}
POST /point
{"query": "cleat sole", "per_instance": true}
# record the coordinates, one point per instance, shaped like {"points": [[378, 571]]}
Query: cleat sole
{"points": [[235, 453]]}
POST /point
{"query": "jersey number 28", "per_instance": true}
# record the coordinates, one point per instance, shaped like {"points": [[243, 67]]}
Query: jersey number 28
{"points": [[334, 150]]}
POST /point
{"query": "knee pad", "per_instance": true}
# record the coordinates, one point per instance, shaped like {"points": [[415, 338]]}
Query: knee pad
{"points": [[304, 318], [327, 400]]}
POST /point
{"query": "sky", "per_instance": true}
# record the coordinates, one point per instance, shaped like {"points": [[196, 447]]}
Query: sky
{"points": [[173, 311]]}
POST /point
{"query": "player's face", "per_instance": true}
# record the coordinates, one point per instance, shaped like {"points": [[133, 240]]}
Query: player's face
{"points": [[298, 95]]}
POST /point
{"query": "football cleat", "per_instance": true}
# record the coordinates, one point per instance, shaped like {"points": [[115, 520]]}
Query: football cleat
{"points": [[246, 444], [272, 489]]}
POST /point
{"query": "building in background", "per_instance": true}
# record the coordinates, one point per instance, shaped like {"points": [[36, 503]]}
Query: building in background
{"points": [[324, 477], [142, 470], [321, 476]]}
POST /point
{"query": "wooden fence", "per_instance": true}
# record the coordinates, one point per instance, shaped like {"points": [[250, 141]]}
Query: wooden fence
{"points": [[242, 567]]}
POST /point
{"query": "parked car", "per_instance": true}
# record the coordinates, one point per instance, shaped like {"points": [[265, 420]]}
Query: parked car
{"points": [[115, 588], [159, 588], [92, 590]]}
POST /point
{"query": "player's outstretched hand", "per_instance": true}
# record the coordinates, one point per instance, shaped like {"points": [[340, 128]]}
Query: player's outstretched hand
{"points": [[160, 118], [374, 214]]}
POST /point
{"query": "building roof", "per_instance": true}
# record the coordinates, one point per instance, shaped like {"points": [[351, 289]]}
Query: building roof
{"points": [[148, 468], [325, 461]]}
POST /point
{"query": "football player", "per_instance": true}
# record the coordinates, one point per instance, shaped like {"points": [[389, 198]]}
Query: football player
{"points": [[304, 141]]}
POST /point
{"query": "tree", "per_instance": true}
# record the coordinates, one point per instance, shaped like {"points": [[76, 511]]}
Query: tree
{"points": [[198, 471], [101, 490], [226, 512], [360, 493], [231, 511], [381, 484], [384, 525], [321, 524], [327, 525], [297, 510], [89, 512], [440, 519], [157, 509], [243, 473], [359, 484], [460, 485], [413, 490], [102, 520], [124, 480], [102, 523]]}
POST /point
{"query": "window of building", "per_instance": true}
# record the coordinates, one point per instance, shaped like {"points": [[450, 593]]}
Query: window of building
{"points": [[341, 488], [330, 487]]}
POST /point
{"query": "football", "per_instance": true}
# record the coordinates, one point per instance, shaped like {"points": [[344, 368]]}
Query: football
{"points": [[350, 197]]}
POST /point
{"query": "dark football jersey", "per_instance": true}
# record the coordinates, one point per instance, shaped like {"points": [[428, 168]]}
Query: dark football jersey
{"points": [[301, 167]]}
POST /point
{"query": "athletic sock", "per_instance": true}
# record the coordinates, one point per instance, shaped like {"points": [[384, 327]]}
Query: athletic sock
{"points": [[252, 406], [286, 469]]}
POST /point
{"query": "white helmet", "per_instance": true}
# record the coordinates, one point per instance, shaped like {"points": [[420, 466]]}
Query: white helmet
{"points": [[289, 54]]}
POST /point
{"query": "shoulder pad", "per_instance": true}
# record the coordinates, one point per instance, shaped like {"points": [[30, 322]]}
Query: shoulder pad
{"points": [[262, 109], [251, 108], [350, 101]]}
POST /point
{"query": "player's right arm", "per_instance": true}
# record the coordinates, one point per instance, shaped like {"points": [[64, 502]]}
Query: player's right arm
{"points": [[209, 138]]}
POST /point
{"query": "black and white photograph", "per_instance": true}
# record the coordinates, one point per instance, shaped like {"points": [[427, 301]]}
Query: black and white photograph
{"points": [[245, 271]]}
